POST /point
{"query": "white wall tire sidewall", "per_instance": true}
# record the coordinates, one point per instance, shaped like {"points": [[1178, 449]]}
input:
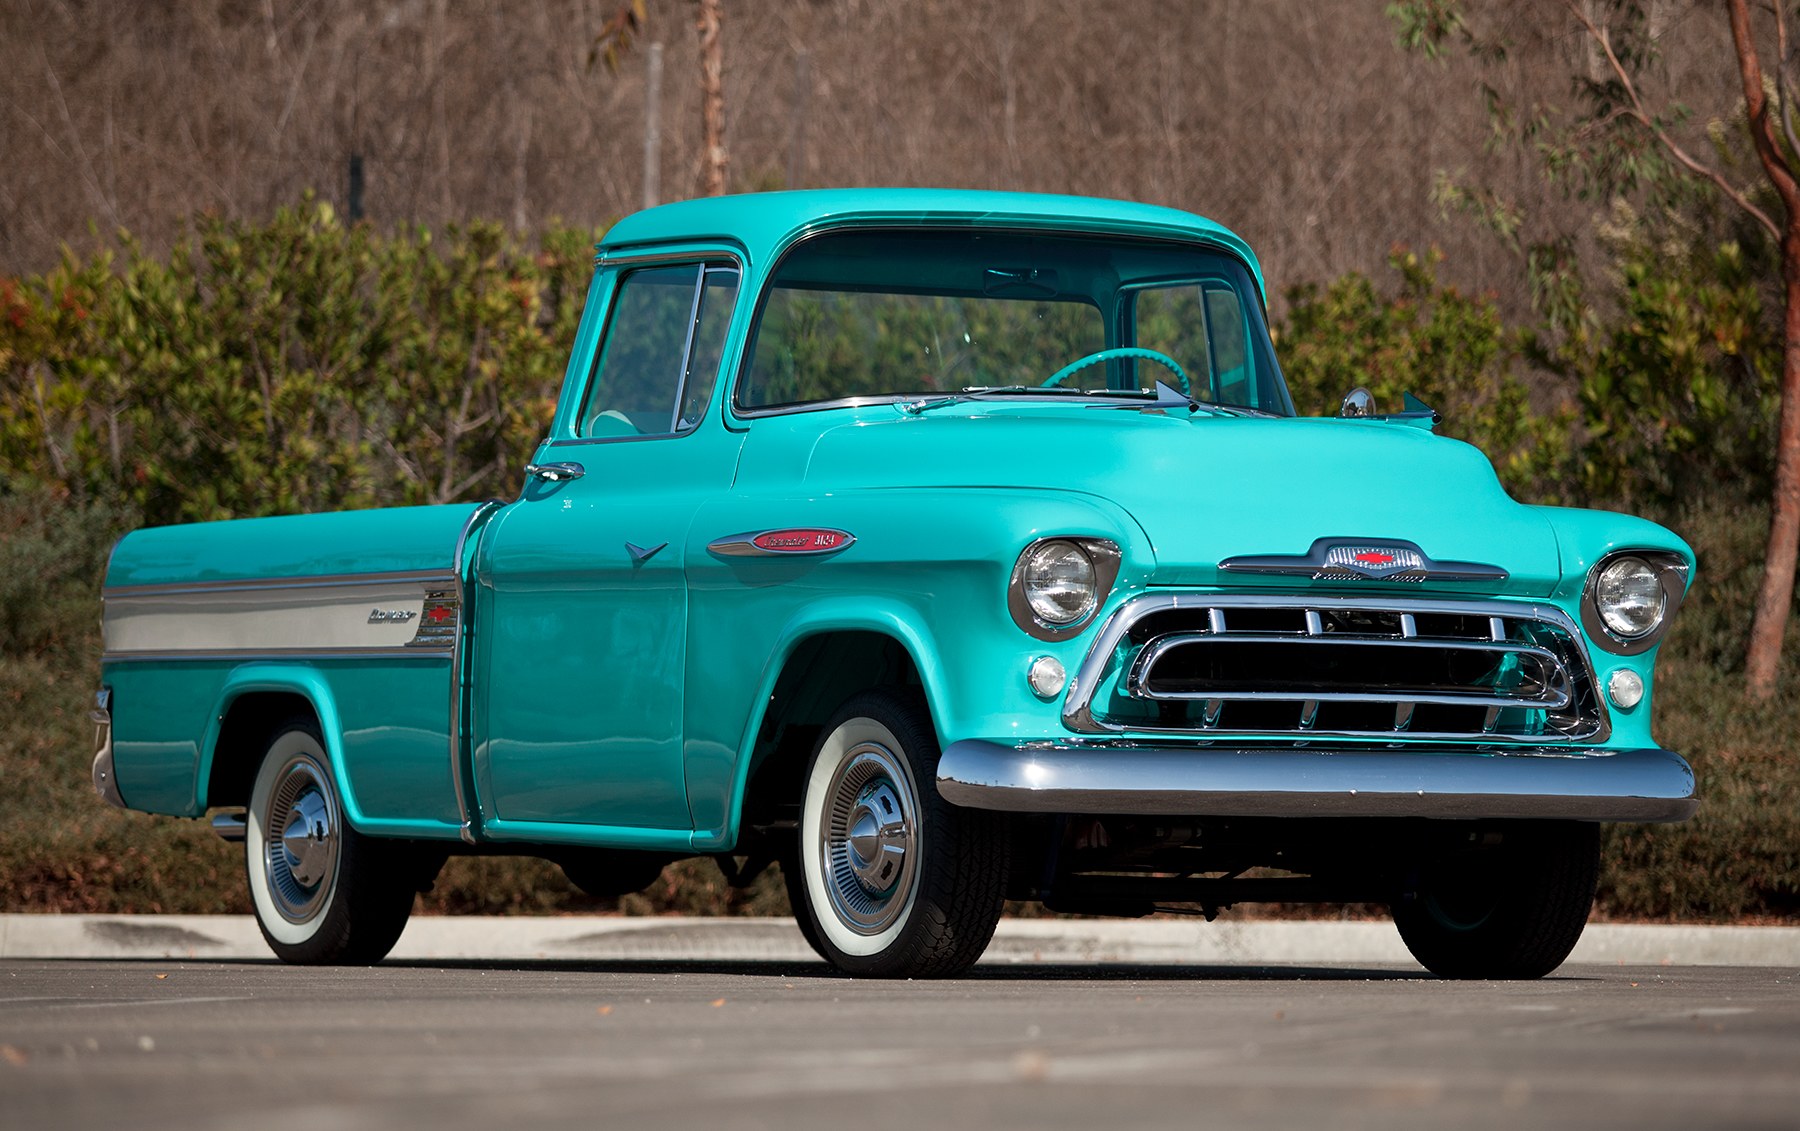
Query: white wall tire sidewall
{"points": [[256, 839], [832, 752]]}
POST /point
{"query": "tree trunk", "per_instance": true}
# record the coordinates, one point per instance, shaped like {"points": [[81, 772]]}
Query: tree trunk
{"points": [[712, 99], [1774, 600]]}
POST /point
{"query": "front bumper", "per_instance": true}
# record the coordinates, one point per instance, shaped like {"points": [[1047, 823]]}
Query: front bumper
{"points": [[1436, 782]]}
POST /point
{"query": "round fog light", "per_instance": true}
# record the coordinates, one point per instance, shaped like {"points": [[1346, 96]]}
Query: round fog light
{"points": [[1047, 677], [1625, 689]]}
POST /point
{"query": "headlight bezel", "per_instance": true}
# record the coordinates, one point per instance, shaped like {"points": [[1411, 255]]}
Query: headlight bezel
{"points": [[1102, 554], [1671, 571]]}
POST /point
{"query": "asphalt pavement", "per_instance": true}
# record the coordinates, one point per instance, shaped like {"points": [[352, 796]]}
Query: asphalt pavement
{"points": [[230, 1044]]}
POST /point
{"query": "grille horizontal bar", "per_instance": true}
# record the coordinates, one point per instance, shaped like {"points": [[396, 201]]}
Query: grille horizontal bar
{"points": [[1399, 669], [1249, 666]]}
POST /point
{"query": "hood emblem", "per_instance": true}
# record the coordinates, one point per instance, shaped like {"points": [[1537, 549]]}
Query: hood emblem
{"points": [[1348, 559], [776, 543]]}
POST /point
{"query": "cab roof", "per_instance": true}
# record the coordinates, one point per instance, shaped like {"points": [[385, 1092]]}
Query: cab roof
{"points": [[764, 223]]}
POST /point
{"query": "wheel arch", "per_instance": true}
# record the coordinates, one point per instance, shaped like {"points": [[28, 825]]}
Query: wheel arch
{"points": [[827, 653], [255, 699]]}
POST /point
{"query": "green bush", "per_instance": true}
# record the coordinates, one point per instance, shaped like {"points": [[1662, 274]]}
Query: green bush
{"points": [[297, 365]]}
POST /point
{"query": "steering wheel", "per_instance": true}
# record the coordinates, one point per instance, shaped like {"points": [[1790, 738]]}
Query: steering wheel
{"points": [[1079, 364]]}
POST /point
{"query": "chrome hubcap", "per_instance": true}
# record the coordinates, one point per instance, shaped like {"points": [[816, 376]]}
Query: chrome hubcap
{"points": [[867, 839], [301, 852]]}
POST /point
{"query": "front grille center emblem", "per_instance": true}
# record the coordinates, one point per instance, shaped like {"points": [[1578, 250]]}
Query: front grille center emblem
{"points": [[1352, 559]]}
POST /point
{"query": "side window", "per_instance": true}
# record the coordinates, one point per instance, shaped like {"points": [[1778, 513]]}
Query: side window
{"points": [[659, 360], [1203, 327]]}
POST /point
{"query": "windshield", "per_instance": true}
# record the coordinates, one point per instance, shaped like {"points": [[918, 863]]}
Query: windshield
{"points": [[904, 314]]}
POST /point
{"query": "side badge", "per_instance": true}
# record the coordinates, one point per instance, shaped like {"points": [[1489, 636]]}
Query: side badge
{"points": [[776, 543]]}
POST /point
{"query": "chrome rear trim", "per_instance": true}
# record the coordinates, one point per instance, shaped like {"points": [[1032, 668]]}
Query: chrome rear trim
{"points": [[106, 782]]}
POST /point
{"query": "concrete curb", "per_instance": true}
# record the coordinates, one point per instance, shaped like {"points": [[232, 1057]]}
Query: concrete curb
{"points": [[1018, 941]]}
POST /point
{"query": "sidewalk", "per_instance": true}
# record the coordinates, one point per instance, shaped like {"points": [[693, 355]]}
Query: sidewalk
{"points": [[1018, 941]]}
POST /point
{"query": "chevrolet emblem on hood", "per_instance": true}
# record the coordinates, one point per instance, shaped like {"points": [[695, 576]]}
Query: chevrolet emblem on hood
{"points": [[1346, 559]]}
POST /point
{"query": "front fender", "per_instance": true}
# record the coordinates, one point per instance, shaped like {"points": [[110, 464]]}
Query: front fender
{"points": [[928, 569]]}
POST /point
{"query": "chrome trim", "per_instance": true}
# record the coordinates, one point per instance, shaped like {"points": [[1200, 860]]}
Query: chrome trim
{"points": [[314, 581], [106, 781], [687, 349], [1434, 782], [231, 826], [1357, 403], [466, 809], [1332, 559], [642, 554], [1105, 556], [1671, 573], [1558, 693], [565, 472], [744, 545], [403, 652], [696, 255], [1077, 714], [326, 615]]}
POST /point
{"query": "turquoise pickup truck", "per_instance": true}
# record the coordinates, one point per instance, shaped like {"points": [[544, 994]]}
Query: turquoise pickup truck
{"points": [[941, 548]]}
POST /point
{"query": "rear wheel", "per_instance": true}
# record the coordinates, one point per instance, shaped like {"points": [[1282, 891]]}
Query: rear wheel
{"points": [[1511, 910], [891, 879], [323, 893]]}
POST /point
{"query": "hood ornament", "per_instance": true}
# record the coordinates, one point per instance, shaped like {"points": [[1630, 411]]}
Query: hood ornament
{"points": [[1363, 559]]}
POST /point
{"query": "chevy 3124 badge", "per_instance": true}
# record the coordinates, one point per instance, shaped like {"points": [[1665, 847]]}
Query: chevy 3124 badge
{"points": [[939, 548]]}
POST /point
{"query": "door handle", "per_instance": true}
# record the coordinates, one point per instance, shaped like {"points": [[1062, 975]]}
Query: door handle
{"points": [[556, 472]]}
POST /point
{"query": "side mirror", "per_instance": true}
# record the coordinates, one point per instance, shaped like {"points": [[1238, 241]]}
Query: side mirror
{"points": [[1357, 402]]}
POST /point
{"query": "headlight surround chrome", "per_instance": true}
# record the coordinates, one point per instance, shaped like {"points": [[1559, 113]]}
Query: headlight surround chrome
{"points": [[1630, 598], [1058, 584]]}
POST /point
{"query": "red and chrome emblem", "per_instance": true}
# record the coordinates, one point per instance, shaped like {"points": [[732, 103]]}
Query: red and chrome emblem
{"points": [[1340, 559], [1371, 563], [787, 540]]}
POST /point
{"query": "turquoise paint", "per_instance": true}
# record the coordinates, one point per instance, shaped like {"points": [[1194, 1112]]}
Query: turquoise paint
{"points": [[385, 726], [614, 705], [394, 540], [764, 223]]}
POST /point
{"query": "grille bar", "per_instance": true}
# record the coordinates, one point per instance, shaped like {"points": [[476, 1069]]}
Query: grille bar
{"points": [[1315, 666], [1545, 685]]}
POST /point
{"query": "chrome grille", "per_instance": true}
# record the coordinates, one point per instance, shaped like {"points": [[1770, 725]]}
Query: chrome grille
{"points": [[1369, 668]]}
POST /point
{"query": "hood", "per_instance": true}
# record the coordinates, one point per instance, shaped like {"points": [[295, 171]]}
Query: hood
{"points": [[1205, 488]]}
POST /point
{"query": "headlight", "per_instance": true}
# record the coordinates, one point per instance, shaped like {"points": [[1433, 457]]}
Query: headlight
{"points": [[1059, 583], [1629, 595]]}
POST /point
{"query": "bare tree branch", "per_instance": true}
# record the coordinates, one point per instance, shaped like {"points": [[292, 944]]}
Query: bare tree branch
{"points": [[1681, 156]]}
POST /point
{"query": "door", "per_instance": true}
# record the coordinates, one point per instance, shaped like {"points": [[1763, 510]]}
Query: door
{"points": [[582, 637]]}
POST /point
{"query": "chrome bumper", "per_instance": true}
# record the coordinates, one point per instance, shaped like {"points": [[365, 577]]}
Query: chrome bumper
{"points": [[106, 783], [1438, 782]]}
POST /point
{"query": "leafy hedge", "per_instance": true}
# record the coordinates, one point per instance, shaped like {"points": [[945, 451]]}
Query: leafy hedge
{"points": [[303, 365], [297, 365]]}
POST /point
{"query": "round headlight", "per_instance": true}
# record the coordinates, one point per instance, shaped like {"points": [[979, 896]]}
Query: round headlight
{"points": [[1059, 584], [1629, 596]]}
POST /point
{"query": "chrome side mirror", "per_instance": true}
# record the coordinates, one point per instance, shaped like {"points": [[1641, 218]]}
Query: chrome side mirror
{"points": [[1357, 402]]}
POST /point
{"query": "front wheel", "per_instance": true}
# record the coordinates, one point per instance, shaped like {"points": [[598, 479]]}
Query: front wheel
{"points": [[323, 893], [893, 881], [1510, 910]]}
